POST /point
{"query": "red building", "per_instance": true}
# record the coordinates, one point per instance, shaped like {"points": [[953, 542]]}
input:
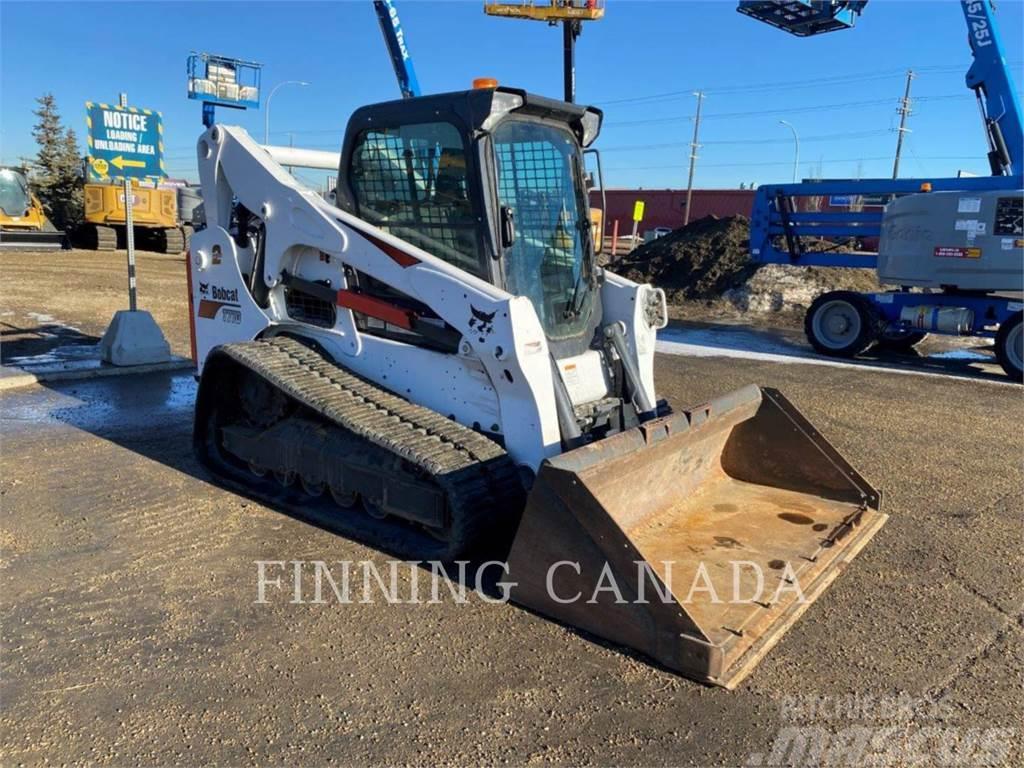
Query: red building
{"points": [[665, 207]]}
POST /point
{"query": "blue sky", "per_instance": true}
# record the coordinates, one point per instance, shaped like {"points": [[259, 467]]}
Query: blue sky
{"points": [[640, 63]]}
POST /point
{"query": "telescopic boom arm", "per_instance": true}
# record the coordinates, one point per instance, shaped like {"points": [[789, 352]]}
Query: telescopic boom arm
{"points": [[391, 28]]}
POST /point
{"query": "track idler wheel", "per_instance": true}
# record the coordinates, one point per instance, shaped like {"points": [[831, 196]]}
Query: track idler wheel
{"points": [[312, 487], [373, 510], [344, 499]]}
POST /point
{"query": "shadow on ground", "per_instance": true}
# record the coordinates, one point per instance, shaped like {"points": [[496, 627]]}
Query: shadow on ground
{"points": [[18, 343]]}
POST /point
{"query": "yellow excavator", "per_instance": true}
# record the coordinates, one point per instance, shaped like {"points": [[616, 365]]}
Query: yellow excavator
{"points": [[23, 222], [154, 212]]}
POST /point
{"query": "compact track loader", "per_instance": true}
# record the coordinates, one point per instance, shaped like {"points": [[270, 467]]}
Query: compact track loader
{"points": [[436, 365], [23, 222]]}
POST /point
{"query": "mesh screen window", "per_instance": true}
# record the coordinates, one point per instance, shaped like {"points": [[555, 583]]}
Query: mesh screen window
{"points": [[539, 180], [412, 182]]}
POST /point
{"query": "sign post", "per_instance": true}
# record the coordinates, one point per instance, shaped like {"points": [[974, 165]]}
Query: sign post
{"points": [[638, 215], [129, 230], [126, 143]]}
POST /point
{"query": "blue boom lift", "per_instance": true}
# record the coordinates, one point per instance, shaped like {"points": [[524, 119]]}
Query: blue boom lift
{"points": [[955, 246], [401, 60]]}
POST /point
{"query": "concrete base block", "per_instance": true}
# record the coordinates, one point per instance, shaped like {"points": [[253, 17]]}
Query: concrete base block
{"points": [[134, 338]]}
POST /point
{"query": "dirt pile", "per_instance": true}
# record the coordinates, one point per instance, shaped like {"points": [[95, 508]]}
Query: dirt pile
{"points": [[707, 263], [699, 261]]}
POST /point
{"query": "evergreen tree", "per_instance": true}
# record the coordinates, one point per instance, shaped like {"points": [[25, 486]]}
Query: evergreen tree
{"points": [[57, 178]]}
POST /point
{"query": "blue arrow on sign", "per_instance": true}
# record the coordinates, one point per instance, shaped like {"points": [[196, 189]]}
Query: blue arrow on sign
{"points": [[124, 142]]}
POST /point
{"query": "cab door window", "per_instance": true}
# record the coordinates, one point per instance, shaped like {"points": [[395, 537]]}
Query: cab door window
{"points": [[413, 182]]}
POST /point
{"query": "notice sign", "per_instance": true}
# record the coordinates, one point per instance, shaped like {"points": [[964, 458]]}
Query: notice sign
{"points": [[124, 142], [638, 210]]}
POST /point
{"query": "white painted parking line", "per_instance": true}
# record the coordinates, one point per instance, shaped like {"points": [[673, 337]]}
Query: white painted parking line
{"points": [[747, 345]]}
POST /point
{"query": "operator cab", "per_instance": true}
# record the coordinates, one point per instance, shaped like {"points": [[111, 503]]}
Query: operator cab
{"points": [[491, 180], [14, 196]]}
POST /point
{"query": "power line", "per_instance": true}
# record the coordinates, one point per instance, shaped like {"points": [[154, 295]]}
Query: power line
{"points": [[677, 144], [788, 85], [650, 121], [785, 110], [745, 142], [782, 162]]}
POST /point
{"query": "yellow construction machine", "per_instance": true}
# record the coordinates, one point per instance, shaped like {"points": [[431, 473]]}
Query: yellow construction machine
{"points": [[23, 222], [154, 212]]}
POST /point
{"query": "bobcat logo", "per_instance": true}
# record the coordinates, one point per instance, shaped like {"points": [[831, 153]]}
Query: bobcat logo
{"points": [[204, 288], [481, 322]]}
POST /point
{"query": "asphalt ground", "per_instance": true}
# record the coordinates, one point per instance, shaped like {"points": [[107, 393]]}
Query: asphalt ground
{"points": [[131, 632]]}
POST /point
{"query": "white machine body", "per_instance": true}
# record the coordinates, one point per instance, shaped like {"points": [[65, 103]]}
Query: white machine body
{"points": [[500, 380]]}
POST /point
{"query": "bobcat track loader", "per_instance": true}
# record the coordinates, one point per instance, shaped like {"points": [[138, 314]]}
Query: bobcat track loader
{"points": [[435, 364]]}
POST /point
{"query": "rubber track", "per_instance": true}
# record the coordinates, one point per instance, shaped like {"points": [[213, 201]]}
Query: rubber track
{"points": [[173, 241], [479, 478], [98, 237]]}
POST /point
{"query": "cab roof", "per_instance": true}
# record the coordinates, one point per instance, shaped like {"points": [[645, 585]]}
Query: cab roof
{"points": [[469, 110]]}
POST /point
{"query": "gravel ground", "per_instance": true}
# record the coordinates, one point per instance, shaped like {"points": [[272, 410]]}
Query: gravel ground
{"points": [[131, 632], [68, 297]]}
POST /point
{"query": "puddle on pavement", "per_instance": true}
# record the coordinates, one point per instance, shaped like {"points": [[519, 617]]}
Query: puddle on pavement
{"points": [[142, 403], [968, 355], [57, 355]]}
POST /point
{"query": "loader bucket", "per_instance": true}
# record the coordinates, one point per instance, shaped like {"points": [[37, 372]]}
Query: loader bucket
{"points": [[32, 239], [697, 538]]}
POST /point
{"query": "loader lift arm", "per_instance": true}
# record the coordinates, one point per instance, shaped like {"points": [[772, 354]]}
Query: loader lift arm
{"points": [[239, 169]]}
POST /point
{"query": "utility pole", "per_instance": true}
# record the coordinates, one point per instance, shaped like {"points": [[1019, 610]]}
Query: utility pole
{"points": [[904, 112], [571, 29], [693, 157]]}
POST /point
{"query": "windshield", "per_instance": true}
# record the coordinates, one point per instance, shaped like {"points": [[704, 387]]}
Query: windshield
{"points": [[13, 193], [540, 181]]}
